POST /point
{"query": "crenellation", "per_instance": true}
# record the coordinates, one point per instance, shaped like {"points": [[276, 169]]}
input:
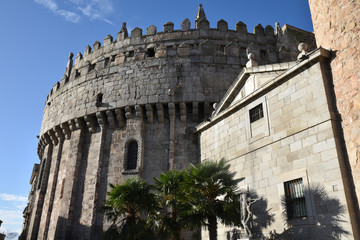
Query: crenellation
{"points": [[151, 30], [136, 33], [168, 27], [96, 46], [87, 51], [185, 25], [222, 25], [241, 27], [108, 40], [269, 31], [259, 30]]}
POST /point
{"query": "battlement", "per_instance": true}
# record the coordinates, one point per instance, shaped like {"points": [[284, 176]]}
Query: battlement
{"points": [[181, 66], [201, 41]]}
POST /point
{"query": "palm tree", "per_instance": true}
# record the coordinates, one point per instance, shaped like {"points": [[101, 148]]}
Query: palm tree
{"points": [[126, 203], [174, 218], [210, 187]]}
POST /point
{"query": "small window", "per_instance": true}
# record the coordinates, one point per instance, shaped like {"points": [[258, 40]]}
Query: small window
{"points": [[91, 67], [263, 54], [256, 113], [295, 199], [131, 53], [132, 155], [106, 62], [77, 73], [150, 52], [113, 58]]}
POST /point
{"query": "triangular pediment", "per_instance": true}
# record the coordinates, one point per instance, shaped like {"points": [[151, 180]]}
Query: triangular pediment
{"points": [[248, 82]]}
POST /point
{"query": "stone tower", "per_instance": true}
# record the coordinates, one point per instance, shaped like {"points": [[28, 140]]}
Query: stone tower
{"points": [[337, 26], [128, 107]]}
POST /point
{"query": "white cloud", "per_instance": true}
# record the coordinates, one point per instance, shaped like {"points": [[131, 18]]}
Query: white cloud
{"points": [[69, 16], [96, 9], [53, 6], [12, 198], [50, 4], [92, 9]]}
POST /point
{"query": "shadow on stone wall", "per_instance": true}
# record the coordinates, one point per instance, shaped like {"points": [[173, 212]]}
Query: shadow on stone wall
{"points": [[64, 231], [262, 218], [328, 215]]}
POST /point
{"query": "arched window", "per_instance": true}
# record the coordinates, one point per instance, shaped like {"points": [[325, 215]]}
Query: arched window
{"points": [[132, 155]]}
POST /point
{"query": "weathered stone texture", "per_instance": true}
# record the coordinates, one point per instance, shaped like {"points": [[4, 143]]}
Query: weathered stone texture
{"points": [[153, 89], [337, 26]]}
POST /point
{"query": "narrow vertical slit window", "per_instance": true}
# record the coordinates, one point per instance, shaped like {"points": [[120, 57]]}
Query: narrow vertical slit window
{"points": [[295, 199]]}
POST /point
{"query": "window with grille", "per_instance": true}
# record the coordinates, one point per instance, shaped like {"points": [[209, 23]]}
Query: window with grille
{"points": [[295, 199], [132, 155], [256, 113]]}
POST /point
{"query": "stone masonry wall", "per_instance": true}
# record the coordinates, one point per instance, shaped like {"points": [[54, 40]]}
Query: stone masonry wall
{"points": [[152, 89], [337, 26], [297, 141]]}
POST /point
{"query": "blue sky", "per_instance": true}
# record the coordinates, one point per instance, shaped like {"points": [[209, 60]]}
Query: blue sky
{"points": [[36, 37]]}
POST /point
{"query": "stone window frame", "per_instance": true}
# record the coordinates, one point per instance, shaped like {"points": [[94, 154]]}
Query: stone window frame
{"points": [[139, 157], [265, 106], [292, 175]]}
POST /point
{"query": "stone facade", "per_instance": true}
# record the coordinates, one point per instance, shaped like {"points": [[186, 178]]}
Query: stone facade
{"points": [[150, 89], [297, 136], [337, 26]]}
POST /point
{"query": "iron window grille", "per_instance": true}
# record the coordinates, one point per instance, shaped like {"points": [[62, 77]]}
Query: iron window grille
{"points": [[295, 199], [256, 113], [132, 155]]}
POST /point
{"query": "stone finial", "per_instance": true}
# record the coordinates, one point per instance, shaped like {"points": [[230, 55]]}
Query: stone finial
{"points": [[200, 15], [69, 64], [303, 51], [251, 62], [278, 30], [123, 33], [70, 60]]}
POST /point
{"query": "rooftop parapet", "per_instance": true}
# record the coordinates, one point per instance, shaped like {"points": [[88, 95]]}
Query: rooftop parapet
{"points": [[185, 42]]}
